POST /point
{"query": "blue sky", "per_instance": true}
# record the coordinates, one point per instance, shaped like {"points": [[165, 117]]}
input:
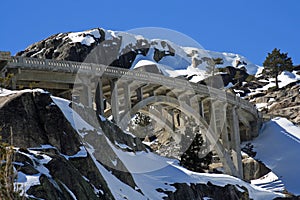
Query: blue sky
{"points": [[251, 28]]}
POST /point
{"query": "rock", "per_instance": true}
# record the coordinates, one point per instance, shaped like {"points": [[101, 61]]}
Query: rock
{"points": [[253, 169], [40, 122], [284, 103], [35, 123], [200, 191]]}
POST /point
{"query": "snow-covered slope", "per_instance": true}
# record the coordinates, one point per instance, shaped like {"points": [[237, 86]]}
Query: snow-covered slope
{"points": [[151, 171], [278, 146], [284, 78]]}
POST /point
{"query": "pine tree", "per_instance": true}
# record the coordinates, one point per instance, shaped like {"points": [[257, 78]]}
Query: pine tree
{"points": [[275, 63]]}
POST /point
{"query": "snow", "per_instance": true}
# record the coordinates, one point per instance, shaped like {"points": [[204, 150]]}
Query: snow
{"points": [[127, 40], [151, 171], [119, 190], [24, 181], [5, 92], [270, 182], [181, 64], [278, 147], [85, 37], [69, 191], [284, 79], [261, 106], [80, 154], [141, 63], [229, 85], [231, 59], [76, 121], [122, 146]]}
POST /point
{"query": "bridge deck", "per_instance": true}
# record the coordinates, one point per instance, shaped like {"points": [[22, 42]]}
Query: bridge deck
{"points": [[34, 69]]}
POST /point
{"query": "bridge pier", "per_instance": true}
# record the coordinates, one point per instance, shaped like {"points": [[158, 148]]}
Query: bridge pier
{"points": [[14, 83], [99, 98], [235, 142], [127, 98], [86, 93], [114, 100], [224, 130], [139, 94]]}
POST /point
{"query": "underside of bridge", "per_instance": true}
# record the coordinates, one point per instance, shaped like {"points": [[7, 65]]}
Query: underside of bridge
{"points": [[223, 123]]}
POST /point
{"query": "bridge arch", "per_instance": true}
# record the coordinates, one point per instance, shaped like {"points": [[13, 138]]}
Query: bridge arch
{"points": [[189, 111]]}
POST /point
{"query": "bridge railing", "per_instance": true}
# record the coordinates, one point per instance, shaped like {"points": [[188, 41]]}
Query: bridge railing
{"points": [[99, 70]]}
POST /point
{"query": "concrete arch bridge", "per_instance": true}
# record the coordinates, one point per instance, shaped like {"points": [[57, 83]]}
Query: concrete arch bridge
{"points": [[225, 119]]}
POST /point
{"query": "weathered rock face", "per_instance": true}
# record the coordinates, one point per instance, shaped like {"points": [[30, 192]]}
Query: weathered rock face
{"points": [[210, 191], [36, 121], [109, 51], [33, 120], [284, 102], [253, 169], [55, 47]]}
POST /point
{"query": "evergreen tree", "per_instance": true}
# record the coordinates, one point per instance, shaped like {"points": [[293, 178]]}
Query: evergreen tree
{"points": [[193, 157], [275, 63]]}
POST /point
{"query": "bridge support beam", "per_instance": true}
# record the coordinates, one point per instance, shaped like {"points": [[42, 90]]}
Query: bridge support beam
{"points": [[139, 94], [14, 82], [114, 101], [86, 94], [235, 140], [201, 105], [224, 131], [127, 98], [99, 98]]}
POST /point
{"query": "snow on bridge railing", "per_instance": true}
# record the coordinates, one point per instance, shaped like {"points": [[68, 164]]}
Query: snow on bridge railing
{"points": [[99, 69]]}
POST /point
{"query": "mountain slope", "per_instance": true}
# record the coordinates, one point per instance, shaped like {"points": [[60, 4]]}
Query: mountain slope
{"points": [[282, 157], [53, 158], [127, 50]]}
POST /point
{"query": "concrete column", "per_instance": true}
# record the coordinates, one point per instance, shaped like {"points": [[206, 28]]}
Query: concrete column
{"points": [[201, 106], [127, 98], [224, 131], [213, 122], [14, 82], [173, 120], [193, 101], [139, 94], [99, 98], [114, 100], [235, 139], [86, 95]]}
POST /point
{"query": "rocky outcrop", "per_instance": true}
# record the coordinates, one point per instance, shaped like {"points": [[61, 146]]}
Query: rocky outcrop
{"points": [[284, 103], [208, 191], [34, 120], [31, 120], [56, 47], [101, 51], [253, 169]]}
